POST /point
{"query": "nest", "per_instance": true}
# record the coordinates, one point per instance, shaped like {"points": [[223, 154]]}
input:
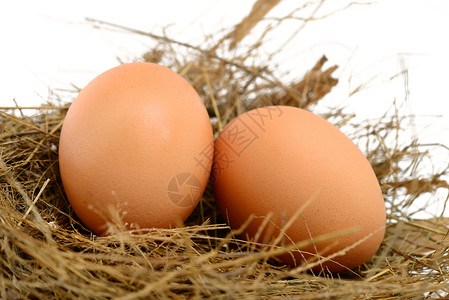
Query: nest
{"points": [[46, 253]]}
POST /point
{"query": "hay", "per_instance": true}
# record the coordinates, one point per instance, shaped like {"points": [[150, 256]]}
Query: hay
{"points": [[45, 253]]}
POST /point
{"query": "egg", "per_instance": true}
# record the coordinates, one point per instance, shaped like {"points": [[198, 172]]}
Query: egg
{"points": [[295, 176], [136, 147]]}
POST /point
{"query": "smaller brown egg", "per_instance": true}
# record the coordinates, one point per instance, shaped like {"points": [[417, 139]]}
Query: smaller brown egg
{"points": [[274, 162], [136, 145]]}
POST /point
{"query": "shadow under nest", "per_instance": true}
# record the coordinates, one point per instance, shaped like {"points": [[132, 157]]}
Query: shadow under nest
{"points": [[46, 253]]}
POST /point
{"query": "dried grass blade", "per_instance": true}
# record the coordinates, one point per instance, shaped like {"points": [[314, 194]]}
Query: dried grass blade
{"points": [[35, 200], [19, 121], [212, 99], [258, 11]]}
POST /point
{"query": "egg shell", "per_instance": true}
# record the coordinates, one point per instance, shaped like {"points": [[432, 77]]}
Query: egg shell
{"points": [[273, 160], [136, 144]]}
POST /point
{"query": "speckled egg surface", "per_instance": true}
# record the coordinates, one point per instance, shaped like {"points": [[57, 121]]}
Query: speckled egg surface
{"points": [[136, 144], [278, 161]]}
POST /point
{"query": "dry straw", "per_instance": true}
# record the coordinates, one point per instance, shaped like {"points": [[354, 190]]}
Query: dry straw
{"points": [[45, 253]]}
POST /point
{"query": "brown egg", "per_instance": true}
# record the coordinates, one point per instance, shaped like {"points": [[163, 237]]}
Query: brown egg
{"points": [[276, 161], [136, 144]]}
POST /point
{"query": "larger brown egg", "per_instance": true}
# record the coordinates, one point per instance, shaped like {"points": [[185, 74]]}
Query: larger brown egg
{"points": [[136, 146], [277, 164]]}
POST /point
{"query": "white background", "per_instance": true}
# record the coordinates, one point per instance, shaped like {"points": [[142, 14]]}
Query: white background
{"points": [[48, 45]]}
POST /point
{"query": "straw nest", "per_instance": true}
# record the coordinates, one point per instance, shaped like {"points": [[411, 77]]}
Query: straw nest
{"points": [[45, 253]]}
